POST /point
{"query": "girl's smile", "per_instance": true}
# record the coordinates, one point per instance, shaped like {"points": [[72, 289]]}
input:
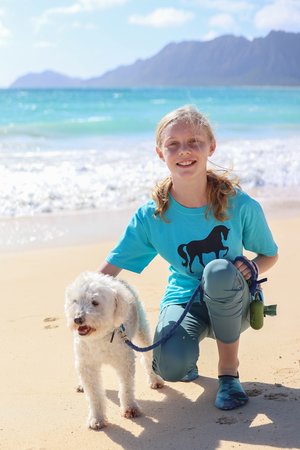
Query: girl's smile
{"points": [[186, 163]]}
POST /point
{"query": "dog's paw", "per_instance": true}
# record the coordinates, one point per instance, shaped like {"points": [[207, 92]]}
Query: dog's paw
{"points": [[155, 381], [79, 388], [97, 423], [131, 412], [157, 384]]}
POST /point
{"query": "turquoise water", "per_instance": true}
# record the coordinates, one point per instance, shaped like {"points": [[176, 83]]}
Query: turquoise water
{"points": [[70, 150], [234, 112]]}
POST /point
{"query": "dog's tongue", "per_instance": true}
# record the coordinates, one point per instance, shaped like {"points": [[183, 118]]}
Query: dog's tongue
{"points": [[83, 330]]}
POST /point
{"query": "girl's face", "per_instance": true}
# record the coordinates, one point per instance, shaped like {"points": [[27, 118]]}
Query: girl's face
{"points": [[185, 149]]}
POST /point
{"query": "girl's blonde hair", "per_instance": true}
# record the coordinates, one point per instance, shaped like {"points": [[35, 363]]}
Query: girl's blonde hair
{"points": [[219, 186]]}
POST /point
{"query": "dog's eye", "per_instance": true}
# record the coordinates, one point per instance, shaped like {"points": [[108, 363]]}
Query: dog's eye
{"points": [[95, 303], [75, 301]]}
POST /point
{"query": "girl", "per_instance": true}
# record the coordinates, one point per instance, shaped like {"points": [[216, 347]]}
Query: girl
{"points": [[199, 221]]}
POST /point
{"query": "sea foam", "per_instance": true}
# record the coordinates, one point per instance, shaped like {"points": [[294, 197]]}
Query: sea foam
{"points": [[121, 173]]}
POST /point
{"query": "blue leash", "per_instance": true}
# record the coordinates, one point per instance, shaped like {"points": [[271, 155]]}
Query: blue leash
{"points": [[252, 287], [169, 333]]}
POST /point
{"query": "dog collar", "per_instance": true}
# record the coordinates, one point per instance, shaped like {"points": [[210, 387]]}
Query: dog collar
{"points": [[121, 331]]}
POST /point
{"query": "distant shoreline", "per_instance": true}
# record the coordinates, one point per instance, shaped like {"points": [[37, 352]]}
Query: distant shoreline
{"points": [[139, 88]]}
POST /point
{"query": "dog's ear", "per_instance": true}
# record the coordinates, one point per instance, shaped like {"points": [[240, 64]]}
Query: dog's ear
{"points": [[121, 306]]}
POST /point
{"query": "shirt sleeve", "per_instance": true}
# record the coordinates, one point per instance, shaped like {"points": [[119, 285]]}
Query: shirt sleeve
{"points": [[257, 236], [134, 251]]}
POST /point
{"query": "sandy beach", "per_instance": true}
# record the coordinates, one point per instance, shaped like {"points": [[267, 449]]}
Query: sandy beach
{"points": [[41, 410]]}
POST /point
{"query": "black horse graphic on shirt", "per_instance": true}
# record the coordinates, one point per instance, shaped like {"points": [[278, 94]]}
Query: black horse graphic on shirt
{"points": [[211, 244]]}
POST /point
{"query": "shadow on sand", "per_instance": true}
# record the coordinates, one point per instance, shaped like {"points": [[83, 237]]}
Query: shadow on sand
{"points": [[269, 419]]}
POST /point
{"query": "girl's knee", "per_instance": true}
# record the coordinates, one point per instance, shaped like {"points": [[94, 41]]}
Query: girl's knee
{"points": [[169, 366], [173, 363], [220, 277]]}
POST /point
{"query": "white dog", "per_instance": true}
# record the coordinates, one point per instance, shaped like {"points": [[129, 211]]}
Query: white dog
{"points": [[96, 305]]}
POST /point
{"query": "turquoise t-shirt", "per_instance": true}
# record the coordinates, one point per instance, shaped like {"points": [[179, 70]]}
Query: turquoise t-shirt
{"points": [[190, 240]]}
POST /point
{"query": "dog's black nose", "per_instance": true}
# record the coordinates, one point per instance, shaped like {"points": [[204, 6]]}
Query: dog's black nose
{"points": [[79, 320]]}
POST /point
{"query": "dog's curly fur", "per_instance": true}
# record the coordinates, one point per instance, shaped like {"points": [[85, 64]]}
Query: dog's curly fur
{"points": [[95, 306]]}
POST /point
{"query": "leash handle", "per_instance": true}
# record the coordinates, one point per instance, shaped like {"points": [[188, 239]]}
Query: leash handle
{"points": [[253, 282]]}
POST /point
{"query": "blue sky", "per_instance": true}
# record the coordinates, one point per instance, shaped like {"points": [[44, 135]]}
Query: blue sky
{"points": [[87, 37]]}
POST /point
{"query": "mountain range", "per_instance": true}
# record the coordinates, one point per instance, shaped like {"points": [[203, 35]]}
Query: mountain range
{"points": [[225, 60]]}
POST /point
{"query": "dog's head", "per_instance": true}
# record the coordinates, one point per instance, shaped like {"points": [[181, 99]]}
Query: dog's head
{"points": [[95, 304]]}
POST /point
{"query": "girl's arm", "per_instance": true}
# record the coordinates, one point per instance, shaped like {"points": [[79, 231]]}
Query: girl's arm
{"points": [[265, 263], [109, 269], [262, 262]]}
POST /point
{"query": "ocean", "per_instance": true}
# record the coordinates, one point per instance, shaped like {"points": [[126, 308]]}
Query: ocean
{"points": [[80, 150]]}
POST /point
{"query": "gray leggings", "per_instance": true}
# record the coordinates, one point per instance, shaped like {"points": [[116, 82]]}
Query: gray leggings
{"points": [[223, 315]]}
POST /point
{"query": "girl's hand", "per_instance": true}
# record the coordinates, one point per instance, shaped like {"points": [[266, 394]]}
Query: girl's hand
{"points": [[245, 271]]}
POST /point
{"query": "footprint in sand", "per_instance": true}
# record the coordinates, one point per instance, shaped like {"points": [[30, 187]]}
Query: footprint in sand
{"points": [[254, 392], [276, 396], [50, 319], [224, 420]]}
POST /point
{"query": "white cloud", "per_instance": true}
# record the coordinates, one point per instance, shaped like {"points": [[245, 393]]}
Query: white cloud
{"points": [[209, 36], [5, 34], [223, 21], [162, 17], [85, 6], [81, 6], [279, 15]]}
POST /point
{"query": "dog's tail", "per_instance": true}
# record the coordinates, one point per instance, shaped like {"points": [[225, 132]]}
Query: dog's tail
{"points": [[143, 330], [142, 334]]}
